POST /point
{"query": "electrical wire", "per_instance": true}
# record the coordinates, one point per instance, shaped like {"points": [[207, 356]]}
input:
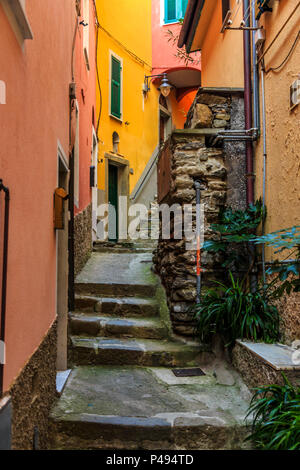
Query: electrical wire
{"points": [[73, 49], [273, 69], [132, 54], [235, 13], [97, 68], [248, 12]]}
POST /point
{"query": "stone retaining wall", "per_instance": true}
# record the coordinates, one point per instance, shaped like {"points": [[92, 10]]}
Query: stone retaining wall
{"points": [[82, 238], [257, 373]]}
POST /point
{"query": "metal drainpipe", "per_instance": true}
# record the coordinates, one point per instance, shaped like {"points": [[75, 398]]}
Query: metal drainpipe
{"points": [[256, 117], [198, 234], [264, 167], [4, 275], [248, 103]]}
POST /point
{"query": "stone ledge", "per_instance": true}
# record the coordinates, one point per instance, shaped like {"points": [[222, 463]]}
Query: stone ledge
{"points": [[278, 356]]}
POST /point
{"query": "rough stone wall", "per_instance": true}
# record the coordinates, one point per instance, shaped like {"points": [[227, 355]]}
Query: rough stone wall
{"points": [[255, 372], [289, 310], [222, 172], [82, 238], [33, 394], [176, 265]]}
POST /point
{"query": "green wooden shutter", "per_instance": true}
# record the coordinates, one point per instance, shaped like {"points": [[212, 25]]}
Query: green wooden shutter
{"points": [[170, 11], [115, 87]]}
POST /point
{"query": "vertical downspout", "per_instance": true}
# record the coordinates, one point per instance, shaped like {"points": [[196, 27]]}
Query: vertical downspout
{"points": [[248, 103], [264, 168], [256, 117], [4, 277]]}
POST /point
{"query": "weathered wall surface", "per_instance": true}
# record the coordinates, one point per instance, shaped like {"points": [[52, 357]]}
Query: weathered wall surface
{"points": [[283, 137], [82, 238], [188, 156], [283, 143], [33, 394]]}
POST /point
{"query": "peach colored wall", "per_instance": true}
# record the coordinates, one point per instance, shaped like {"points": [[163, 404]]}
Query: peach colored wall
{"points": [[283, 136], [222, 63], [35, 117], [86, 98], [164, 51]]}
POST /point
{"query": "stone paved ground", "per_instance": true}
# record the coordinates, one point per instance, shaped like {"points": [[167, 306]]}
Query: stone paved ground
{"points": [[122, 392]]}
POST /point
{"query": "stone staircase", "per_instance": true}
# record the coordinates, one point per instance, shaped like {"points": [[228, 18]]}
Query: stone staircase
{"points": [[122, 393], [125, 328]]}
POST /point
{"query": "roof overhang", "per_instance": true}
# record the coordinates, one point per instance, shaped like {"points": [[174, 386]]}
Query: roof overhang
{"points": [[196, 23], [182, 77]]}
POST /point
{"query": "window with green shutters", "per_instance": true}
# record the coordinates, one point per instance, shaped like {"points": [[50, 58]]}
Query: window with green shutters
{"points": [[175, 10], [116, 77]]}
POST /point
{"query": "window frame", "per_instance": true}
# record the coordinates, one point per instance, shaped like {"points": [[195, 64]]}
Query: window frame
{"points": [[120, 60], [179, 12]]}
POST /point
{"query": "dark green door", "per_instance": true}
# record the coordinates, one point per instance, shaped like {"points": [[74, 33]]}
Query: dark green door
{"points": [[113, 216]]}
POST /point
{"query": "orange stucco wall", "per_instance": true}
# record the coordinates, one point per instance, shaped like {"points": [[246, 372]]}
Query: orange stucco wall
{"points": [[86, 99], [222, 63], [283, 136], [33, 120]]}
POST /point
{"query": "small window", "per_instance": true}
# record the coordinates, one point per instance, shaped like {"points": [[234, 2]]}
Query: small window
{"points": [[175, 10], [116, 77], [116, 141]]}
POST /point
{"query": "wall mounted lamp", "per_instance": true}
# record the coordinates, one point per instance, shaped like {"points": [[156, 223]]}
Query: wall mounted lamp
{"points": [[165, 87]]}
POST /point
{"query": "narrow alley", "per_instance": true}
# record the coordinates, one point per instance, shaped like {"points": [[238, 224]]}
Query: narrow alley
{"points": [[150, 228]]}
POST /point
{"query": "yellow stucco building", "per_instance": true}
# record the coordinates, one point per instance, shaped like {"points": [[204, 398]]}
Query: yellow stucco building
{"points": [[128, 116]]}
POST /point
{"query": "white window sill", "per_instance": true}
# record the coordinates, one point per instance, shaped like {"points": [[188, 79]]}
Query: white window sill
{"points": [[116, 118], [170, 24]]}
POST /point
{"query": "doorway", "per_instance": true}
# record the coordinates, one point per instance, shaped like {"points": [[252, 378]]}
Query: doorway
{"points": [[113, 211], [95, 187], [62, 269]]}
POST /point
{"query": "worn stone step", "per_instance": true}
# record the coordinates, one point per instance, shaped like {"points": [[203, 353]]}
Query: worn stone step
{"points": [[149, 328], [118, 275], [140, 246], [116, 290], [123, 306], [146, 352], [104, 249], [147, 408]]}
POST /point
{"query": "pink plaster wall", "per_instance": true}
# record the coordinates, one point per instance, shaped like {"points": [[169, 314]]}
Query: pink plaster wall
{"points": [[163, 52], [86, 98], [32, 122]]}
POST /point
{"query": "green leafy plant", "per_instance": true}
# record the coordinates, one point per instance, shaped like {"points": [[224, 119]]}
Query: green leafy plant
{"points": [[233, 234], [235, 313], [287, 271], [181, 54], [276, 417]]}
